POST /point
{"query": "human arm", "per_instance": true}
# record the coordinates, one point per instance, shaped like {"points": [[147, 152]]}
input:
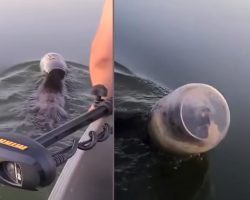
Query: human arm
{"points": [[101, 53]]}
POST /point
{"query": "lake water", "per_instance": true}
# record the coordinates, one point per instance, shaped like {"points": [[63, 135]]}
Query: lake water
{"points": [[29, 29], [17, 117], [172, 43]]}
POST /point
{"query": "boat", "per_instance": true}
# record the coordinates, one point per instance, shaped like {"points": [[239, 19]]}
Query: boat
{"points": [[88, 174]]}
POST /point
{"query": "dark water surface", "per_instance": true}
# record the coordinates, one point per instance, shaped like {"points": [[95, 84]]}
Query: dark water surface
{"points": [[174, 43], [17, 85], [141, 171]]}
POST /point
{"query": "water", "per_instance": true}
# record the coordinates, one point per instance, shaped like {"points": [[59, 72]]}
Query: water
{"points": [[141, 170], [29, 29], [17, 85], [174, 43]]}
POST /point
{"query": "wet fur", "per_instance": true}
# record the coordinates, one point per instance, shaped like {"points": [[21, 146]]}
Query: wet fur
{"points": [[49, 103]]}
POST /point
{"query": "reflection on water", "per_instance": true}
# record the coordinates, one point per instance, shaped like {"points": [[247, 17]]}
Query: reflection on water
{"points": [[142, 172], [17, 85]]}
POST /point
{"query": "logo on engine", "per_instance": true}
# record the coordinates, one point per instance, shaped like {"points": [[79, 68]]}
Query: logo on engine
{"points": [[13, 144]]}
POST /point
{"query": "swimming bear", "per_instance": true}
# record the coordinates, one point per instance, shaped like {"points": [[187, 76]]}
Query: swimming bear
{"points": [[50, 99]]}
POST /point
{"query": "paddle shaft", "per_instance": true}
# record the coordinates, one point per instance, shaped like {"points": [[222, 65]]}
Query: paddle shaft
{"points": [[70, 127]]}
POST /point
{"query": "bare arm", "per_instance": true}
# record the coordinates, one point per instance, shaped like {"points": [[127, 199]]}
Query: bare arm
{"points": [[101, 54]]}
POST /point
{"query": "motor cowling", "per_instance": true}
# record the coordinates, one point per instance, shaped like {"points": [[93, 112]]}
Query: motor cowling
{"points": [[25, 163]]}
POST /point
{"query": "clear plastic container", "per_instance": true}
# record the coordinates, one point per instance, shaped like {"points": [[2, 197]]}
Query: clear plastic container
{"points": [[52, 61], [192, 119]]}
